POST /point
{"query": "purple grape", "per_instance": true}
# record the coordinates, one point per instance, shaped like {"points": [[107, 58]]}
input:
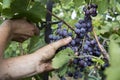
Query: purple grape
{"points": [[51, 36], [84, 9], [97, 53], [83, 24], [82, 30], [75, 49], [94, 6], [70, 74], [87, 42], [73, 43], [60, 24], [76, 75], [81, 63], [75, 61], [90, 29], [81, 21], [78, 25], [62, 78], [87, 12], [89, 49], [89, 24], [93, 42], [65, 33], [77, 31], [58, 31], [81, 35], [69, 33], [91, 53], [85, 64], [95, 14], [86, 47], [77, 40]]}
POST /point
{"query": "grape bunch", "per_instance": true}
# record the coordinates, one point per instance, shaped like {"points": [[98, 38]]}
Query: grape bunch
{"points": [[83, 44]]}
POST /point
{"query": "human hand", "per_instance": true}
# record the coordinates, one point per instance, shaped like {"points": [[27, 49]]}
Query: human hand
{"points": [[31, 64], [47, 53], [22, 30]]}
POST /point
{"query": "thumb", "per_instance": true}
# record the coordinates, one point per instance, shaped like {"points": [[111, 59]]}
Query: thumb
{"points": [[50, 49], [61, 43]]}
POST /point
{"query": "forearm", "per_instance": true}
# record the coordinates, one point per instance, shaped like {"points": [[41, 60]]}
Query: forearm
{"points": [[5, 36], [19, 67]]}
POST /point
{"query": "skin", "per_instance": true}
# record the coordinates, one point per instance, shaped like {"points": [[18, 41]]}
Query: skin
{"points": [[26, 65]]}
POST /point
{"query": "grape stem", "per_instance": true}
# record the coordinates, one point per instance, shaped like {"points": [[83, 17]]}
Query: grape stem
{"points": [[61, 20], [85, 56], [83, 43], [104, 52]]}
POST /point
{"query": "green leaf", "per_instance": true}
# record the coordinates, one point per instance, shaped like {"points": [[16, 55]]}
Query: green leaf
{"points": [[78, 2], [118, 18], [87, 1], [118, 1], [7, 13], [62, 58], [65, 1], [19, 6], [0, 7], [6, 4], [114, 70], [118, 6], [113, 3], [62, 71], [37, 12], [102, 5], [36, 42], [43, 1], [97, 60], [93, 78]]}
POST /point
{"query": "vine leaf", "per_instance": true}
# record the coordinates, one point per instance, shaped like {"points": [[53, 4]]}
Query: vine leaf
{"points": [[36, 12], [102, 5], [36, 42], [6, 4], [78, 2], [62, 71], [32, 11], [114, 49], [62, 58], [19, 5], [97, 60], [118, 6]]}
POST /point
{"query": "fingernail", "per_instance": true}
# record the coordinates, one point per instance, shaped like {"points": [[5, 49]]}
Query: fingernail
{"points": [[68, 38]]}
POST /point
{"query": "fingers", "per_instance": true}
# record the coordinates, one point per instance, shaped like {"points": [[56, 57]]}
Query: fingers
{"points": [[48, 51], [48, 67], [44, 67], [36, 31], [61, 43]]}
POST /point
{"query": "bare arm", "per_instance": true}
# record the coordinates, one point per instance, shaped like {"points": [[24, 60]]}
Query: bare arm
{"points": [[27, 65], [5, 35]]}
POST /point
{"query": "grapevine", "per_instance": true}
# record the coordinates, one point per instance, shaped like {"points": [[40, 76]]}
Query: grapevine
{"points": [[85, 47]]}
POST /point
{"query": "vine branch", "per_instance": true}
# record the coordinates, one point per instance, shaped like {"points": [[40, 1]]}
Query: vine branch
{"points": [[104, 52], [61, 20]]}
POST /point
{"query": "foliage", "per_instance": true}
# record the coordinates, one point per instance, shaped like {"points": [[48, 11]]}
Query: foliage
{"points": [[106, 24], [62, 58], [114, 49]]}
